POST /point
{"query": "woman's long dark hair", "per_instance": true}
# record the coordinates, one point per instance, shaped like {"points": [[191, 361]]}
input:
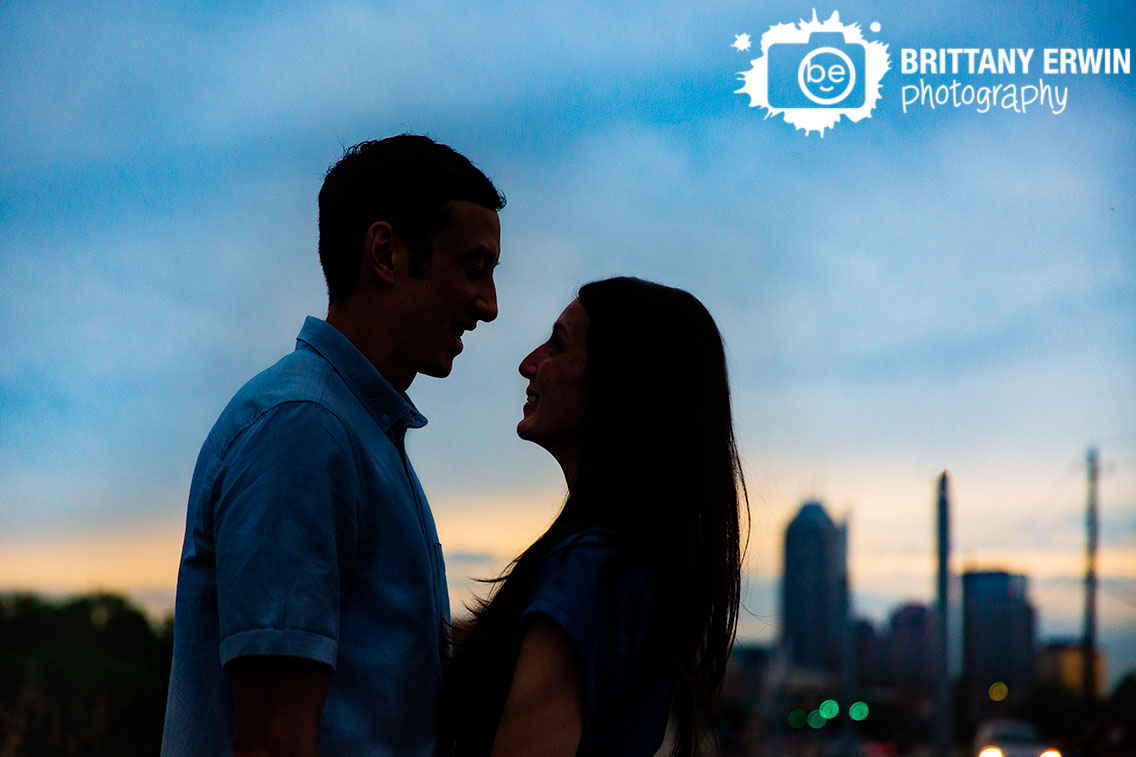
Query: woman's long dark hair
{"points": [[659, 463]]}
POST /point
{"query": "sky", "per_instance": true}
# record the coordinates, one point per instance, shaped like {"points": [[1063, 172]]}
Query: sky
{"points": [[919, 290]]}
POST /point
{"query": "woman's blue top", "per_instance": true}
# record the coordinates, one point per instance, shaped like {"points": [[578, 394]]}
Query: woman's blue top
{"points": [[598, 592]]}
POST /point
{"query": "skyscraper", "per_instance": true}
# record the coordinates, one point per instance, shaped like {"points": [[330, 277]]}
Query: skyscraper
{"points": [[814, 589], [998, 629], [868, 653], [910, 655], [1063, 661]]}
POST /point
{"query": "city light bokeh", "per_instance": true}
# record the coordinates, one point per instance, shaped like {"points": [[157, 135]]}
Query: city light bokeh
{"points": [[858, 711]]}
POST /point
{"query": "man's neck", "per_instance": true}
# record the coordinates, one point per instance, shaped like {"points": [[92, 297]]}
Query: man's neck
{"points": [[360, 329]]}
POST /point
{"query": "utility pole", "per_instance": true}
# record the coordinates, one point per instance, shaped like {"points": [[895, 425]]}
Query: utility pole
{"points": [[845, 681], [942, 670], [1089, 642]]}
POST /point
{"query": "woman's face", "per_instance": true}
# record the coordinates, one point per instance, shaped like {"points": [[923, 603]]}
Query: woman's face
{"points": [[556, 401]]}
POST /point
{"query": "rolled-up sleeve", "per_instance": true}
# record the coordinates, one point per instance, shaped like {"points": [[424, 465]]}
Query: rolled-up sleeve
{"points": [[568, 590], [285, 529]]}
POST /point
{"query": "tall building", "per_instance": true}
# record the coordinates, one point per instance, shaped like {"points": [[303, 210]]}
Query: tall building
{"points": [[909, 647], [868, 652], [998, 629], [1063, 661], [814, 589]]}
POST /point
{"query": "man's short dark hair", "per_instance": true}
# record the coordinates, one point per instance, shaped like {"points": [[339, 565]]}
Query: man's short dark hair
{"points": [[407, 181]]}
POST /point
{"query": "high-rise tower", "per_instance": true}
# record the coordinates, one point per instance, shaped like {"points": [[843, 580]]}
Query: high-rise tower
{"points": [[998, 629], [814, 589]]}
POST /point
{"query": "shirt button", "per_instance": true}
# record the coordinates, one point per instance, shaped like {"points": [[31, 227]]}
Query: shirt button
{"points": [[386, 418]]}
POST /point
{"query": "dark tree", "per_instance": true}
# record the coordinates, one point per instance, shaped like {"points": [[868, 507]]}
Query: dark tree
{"points": [[86, 676]]}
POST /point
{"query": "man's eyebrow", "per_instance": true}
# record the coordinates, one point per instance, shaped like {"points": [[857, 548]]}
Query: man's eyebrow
{"points": [[483, 252], [559, 327]]}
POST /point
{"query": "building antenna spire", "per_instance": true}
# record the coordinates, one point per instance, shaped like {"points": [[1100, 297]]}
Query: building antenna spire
{"points": [[942, 669]]}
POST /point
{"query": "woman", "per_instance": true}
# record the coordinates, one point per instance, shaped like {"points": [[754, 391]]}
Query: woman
{"points": [[624, 610]]}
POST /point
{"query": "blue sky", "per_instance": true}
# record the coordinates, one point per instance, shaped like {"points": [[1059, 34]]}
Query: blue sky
{"points": [[936, 289]]}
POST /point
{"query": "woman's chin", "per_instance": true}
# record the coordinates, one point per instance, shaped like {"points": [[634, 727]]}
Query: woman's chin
{"points": [[528, 433]]}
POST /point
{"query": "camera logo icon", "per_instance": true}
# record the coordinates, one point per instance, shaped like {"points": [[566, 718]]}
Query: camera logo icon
{"points": [[825, 72], [815, 73]]}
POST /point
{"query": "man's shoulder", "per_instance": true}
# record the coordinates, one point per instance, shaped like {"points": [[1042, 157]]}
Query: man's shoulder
{"points": [[302, 382], [301, 375]]}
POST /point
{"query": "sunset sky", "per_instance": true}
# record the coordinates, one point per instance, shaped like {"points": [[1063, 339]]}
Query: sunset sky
{"points": [[937, 289]]}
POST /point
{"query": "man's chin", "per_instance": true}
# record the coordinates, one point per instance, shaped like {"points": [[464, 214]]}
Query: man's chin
{"points": [[439, 370]]}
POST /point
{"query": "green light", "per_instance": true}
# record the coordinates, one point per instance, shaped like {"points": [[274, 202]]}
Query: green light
{"points": [[829, 709], [858, 711], [816, 720], [797, 718]]}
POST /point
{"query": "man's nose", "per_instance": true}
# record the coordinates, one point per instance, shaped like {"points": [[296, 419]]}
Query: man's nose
{"points": [[486, 303]]}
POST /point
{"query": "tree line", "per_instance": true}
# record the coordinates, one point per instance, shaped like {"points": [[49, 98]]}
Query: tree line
{"points": [[81, 677]]}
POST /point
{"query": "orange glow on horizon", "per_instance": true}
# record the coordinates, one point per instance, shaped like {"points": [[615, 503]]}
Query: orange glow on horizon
{"points": [[126, 557], [481, 534]]}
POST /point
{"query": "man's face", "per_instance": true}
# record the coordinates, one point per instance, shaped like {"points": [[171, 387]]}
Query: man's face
{"points": [[454, 293]]}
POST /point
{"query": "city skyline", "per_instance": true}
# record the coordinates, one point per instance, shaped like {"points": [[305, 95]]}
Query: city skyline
{"points": [[993, 630]]}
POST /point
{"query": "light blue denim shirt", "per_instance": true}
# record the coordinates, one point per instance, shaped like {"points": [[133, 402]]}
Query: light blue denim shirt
{"points": [[308, 535]]}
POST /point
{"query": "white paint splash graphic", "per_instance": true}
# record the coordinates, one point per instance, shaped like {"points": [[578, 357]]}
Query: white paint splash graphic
{"points": [[841, 68]]}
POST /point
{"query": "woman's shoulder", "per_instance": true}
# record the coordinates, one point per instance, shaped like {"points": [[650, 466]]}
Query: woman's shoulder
{"points": [[596, 537], [594, 585], [594, 550], [595, 569]]}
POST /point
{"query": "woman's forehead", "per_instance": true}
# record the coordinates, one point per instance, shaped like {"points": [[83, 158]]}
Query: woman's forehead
{"points": [[574, 319]]}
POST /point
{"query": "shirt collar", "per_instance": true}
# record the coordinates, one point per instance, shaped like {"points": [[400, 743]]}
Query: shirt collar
{"points": [[390, 408]]}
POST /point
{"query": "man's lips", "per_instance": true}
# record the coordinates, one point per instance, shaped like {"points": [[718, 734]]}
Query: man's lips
{"points": [[458, 330]]}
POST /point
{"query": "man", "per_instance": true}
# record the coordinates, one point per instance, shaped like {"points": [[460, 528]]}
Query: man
{"points": [[311, 600]]}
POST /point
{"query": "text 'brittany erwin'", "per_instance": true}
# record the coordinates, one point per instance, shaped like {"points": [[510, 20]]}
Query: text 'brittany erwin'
{"points": [[930, 61]]}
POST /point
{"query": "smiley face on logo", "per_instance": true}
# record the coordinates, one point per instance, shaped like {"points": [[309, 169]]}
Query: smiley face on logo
{"points": [[826, 75]]}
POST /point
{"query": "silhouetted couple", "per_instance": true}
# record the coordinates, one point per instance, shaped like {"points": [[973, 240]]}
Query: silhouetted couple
{"points": [[312, 613]]}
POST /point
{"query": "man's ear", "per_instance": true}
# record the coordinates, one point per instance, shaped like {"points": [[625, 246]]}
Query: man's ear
{"points": [[383, 252]]}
